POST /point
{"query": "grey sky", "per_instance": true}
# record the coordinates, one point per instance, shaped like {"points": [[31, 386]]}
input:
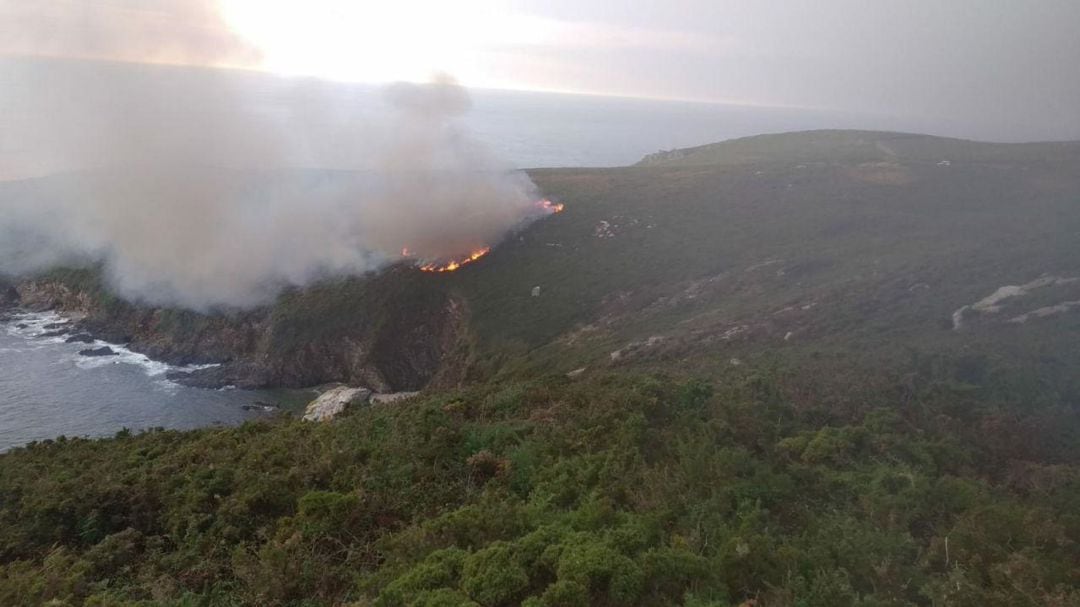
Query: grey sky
{"points": [[1010, 67]]}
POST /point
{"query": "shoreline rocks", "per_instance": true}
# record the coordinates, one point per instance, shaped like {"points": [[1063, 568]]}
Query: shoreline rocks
{"points": [[355, 331], [102, 351]]}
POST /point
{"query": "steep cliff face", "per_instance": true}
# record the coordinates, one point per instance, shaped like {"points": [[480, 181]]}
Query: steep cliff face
{"points": [[175, 336], [391, 331], [8, 296]]}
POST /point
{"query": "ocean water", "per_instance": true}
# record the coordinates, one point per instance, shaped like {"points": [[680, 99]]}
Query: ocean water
{"points": [[534, 130], [47, 389]]}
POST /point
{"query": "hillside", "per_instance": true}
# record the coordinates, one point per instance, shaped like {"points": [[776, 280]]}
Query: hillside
{"points": [[850, 253], [826, 368], [834, 146], [853, 257]]}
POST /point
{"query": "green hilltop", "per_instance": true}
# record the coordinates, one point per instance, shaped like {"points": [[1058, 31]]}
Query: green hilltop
{"points": [[853, 145]]}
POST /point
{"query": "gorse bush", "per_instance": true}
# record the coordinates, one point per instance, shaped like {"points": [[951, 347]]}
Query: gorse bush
{"points": [[614, 490]]}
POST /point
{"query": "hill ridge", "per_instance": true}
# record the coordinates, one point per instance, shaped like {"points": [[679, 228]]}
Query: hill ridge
{"points": [[831, 145]]}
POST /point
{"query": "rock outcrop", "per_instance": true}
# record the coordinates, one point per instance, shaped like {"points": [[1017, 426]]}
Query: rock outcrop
{"points": [[334, 402], [9, 297], [396, 330], [102, 351]]}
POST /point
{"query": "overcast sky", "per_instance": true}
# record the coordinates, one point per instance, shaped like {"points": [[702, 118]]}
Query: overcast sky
{"points": [[993, 62]]}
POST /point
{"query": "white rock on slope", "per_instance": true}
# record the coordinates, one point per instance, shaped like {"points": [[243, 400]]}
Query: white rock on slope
{"points": [[334, 401], [391, 397]]}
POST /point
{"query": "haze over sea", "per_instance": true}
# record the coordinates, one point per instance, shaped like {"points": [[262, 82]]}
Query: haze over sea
{"points": [[48, 389], [534, 130]]}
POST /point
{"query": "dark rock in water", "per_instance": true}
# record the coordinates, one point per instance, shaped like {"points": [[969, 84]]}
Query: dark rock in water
{"points": [[259, 406], [243, 376], [56, 333], [102, 351], [21, 325], [55, 326], [80, 338], [199, 379]]}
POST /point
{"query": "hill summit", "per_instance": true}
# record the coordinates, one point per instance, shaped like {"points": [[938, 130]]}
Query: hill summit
{"points": [[853, 146]]}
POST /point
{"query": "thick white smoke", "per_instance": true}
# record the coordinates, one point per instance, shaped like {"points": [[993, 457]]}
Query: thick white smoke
{"points": [[204, 188]]}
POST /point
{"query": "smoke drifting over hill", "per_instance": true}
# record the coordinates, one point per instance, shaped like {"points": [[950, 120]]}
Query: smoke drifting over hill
{"points": [[205, 188]]}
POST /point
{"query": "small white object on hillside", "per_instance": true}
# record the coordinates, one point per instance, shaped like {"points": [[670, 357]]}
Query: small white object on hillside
{"points": [[391, 397]]}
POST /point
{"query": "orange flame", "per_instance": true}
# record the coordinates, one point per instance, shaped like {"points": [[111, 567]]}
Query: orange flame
{"points": [[551, 207], [457, 263], [545, 205]]}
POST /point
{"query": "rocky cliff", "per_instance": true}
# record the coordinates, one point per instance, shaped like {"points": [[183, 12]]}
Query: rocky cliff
{"points": [[390, 331], [8, 296]]}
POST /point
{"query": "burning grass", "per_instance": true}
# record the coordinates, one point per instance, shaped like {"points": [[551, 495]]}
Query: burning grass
{"points": [[551, 207], [455, 264], [546, 206]]}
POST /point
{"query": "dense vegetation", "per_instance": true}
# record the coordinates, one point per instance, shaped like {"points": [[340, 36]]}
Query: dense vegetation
{"points": [[612, 490]]}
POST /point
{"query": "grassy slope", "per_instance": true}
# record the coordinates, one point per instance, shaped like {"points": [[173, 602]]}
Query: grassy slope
{"points": [[612, 491], [883, 252], [860, 146], [828, 469]]}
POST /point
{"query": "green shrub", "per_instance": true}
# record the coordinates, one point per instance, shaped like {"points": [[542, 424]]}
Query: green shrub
{"points": [[439, 570], [604, 571], [565, 593], [493, 576]]}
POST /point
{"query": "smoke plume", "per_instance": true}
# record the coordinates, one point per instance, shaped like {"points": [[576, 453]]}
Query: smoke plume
{"points": [[205, 188]]}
